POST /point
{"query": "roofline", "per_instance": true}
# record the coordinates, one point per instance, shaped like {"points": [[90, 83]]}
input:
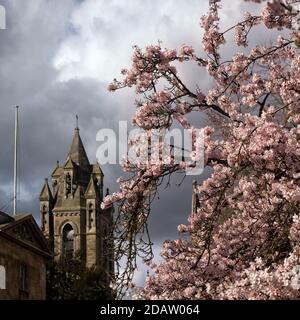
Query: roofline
{"points": [[7, 216], [15, 222], [50, 196], [26, 245], [35, 226]]}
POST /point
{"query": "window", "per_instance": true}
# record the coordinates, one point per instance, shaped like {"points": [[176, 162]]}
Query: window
{"points": [[68, 183], [2, 278], [23, 278], [44, 217], [68, 241], [90, 216]]}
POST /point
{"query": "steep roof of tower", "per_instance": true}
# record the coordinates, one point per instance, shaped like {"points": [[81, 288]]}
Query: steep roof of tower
{"points": [[46, 194], [70, 203], [97, 169], [91, 190], [57, 171], [70, 164], [77, 152]]}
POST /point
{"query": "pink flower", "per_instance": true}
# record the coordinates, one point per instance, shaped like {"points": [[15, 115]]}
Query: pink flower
{"points": [[242, 238], [186, 50]]}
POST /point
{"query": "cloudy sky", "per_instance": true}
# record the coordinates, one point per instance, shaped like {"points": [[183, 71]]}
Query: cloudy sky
{"points": [[56, 59]]}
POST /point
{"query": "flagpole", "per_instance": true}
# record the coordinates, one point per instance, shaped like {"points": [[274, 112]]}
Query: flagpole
{"points": [[16, 159]]}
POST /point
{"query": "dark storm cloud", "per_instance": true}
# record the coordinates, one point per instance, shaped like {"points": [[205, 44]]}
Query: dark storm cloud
{"points": [[34, 39], [56, 58], [47, 114]]}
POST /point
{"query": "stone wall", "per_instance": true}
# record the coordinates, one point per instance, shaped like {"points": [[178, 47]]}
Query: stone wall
{"points": [[12, 256]]}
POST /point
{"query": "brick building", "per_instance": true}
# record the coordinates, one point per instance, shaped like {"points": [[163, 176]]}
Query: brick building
{"points": [[23, 256]]}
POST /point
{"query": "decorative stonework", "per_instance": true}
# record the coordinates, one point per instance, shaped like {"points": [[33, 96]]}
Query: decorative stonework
{"points": [[75, 198], [21, 232]]}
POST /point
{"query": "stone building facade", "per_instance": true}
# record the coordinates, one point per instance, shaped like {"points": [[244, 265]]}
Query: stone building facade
{"points": [[72, 220], [23, 256]]}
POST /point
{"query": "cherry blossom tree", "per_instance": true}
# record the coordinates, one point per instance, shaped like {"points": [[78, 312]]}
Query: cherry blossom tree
{"points": [[243, 241]]}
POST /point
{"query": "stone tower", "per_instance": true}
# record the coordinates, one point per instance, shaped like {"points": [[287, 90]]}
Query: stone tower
{"points": [[71, 216], [195, 197]]}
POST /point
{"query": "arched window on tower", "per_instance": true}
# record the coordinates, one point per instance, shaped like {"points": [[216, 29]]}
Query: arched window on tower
{"points": [[90, 215], [68, 242]]}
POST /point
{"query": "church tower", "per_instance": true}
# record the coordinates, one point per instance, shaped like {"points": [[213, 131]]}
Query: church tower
{"points": [[72, 219], [195, 197]]}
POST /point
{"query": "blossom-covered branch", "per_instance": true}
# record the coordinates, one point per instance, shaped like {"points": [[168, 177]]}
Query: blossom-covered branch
{"points": [[243, 239]]}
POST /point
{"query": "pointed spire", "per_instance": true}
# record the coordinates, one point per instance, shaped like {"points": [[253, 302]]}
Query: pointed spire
{"points": [[77, 152], [46, 194], [57, 171], [97, 169], [69, 164], [77, 123]]}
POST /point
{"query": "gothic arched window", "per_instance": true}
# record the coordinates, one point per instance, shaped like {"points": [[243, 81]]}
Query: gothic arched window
{"points": [[68, 241]]}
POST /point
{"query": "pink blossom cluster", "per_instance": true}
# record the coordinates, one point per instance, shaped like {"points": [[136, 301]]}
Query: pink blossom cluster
{"points": [[240, 35], [212, 38], [275, 15], [242, 241]]}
